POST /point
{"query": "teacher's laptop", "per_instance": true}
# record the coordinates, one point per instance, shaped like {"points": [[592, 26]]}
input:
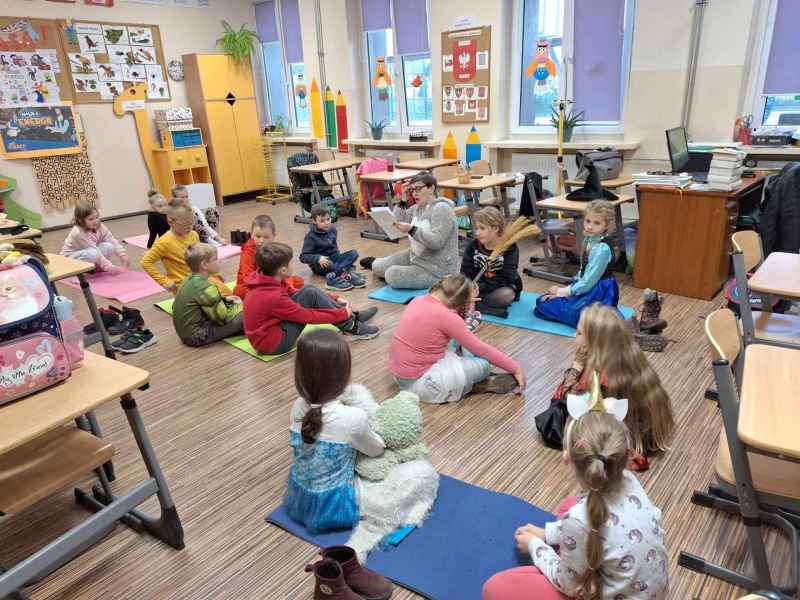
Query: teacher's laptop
{"points": [[678, 149]]}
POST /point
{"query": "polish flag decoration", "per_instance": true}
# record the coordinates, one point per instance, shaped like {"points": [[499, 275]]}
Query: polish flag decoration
{"points": [[465, 55]]}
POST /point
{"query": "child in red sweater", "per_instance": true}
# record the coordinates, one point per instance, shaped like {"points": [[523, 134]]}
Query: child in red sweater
{"points": [[275, 313], [262, 231]]}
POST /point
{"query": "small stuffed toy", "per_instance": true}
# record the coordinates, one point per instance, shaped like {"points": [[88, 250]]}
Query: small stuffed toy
{"points": [[398, 421]]}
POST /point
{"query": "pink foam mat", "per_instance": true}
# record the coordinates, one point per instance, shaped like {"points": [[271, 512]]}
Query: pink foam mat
{"points": [[140, 241], [126, 286]]}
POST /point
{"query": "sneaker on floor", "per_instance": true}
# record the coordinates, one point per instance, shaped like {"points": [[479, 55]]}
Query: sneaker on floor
{"points": [[496, 384], [367, 261], [109, 318], [338, 284], [366, 314], [131, 320], [358, 280], [363, 331], [135, 341], [473, 320]]}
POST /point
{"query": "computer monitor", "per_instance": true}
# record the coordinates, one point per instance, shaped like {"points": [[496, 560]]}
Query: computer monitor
{"points": [[678, 148]]}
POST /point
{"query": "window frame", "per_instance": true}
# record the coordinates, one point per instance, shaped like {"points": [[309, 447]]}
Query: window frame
{"points": [[567, 50], [401, 105]]}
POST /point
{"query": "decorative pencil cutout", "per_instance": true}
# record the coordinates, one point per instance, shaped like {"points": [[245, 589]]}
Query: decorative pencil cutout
{"points": [[473, 152], [330, 117], [317, 127], [519, 229], [449, 150], [341, 121]]}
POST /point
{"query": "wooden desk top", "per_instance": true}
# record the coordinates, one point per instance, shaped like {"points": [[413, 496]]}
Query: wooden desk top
{"points": [[768, 400], [390, 143], [476, 185], [61, 267], [328, 165], [96, 382], [561, 203], [30, 233], [747, 184], [779, 274], [427, 164], [390, 176], [610, 184]]}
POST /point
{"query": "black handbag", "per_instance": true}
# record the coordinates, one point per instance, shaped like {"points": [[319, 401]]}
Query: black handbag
{"points": [[551, 424], [607, 161]]}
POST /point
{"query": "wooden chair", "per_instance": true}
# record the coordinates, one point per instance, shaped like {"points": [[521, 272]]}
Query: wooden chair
{"points": [[443, 174], [332, 177], [768, 327], [408, 156], [500, 198], [768, 485], [550, 228]]}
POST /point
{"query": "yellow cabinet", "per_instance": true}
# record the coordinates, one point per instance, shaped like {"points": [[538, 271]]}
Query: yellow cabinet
{"points": [[184, 166], [223, 103]]}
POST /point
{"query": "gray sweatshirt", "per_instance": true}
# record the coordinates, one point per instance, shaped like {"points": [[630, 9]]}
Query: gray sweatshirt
{"points": [[434, 243]]}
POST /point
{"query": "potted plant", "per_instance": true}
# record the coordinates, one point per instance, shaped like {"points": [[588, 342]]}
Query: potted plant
{"points": [[571, 120], [377, 128], [279, 125], [239, 45]]}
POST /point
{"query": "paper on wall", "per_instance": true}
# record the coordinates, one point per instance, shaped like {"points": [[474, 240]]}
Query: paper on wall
{"points": [[157, 90], [86, 83], [88, 29], [133, 73], [154, 72], [192, 3], [447, 63], [109, 71], [140, 36], [482, 60], [82, 63], [118, 53], [115, 34], [51, 56], [153, 2], [91, 44], [145, 55], [110, 89]]}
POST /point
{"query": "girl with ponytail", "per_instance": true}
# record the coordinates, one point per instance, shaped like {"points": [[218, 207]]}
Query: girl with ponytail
{"points": [[326, 435], [609, 538]]}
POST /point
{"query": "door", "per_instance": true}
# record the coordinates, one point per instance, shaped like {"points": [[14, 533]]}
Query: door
{"points": [[224, 148], [240, 79], [213, 74], [252, 157]]}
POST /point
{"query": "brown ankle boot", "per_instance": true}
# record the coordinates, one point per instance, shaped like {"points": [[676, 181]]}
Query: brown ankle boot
{"points": [[367, 584], [330, 584], [651, 321]]}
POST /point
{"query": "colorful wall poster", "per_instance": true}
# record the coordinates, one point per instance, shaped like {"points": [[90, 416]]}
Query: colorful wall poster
{"points": [[31, 131]]}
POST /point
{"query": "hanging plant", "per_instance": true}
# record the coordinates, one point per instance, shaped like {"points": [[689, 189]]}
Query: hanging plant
{"points": [[239, 45]]}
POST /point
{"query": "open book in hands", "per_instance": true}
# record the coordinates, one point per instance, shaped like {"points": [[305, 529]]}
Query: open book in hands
{"points": [[382, 215]]}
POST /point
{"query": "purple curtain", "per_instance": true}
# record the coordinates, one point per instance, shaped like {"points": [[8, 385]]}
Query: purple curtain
{"points": [[265, 22], [411, 26], [292, 37], [375, 15], [599, 31], [783, 73]]}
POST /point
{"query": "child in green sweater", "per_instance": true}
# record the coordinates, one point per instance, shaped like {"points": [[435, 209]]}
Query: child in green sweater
{"points": [[201, 314]]}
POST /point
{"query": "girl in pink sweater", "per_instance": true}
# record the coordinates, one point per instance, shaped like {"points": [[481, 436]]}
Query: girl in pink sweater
{"points": [[422, 361], [91, 241]]}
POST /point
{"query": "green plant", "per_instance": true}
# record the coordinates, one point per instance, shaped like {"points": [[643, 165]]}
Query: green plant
{"points": [[380, 125], [571, 119], [279, 125], [239, 45]]}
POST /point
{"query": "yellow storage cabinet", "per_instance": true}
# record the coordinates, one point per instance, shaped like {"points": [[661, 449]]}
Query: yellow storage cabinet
{"points": [[223, 102]]}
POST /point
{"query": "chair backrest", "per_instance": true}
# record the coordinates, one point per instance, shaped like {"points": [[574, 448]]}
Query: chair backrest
{"points": [[749, 244], [480, 167], [325, 154], [443, 174], [722, 331], [407, 156]]}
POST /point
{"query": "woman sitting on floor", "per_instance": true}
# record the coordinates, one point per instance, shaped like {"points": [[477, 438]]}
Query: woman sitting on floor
{"points": [[433, 239]]}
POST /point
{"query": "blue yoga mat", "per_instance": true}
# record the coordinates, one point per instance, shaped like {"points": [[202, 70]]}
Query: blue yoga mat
{"points": [[520, 314], [467, 538], [395, 296]]}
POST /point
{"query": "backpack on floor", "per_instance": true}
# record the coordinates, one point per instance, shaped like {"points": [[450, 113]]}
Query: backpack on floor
{"points": [[32, 352]]}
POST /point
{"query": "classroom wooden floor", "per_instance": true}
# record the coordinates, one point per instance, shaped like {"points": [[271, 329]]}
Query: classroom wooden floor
{"points": [[218, 421]]}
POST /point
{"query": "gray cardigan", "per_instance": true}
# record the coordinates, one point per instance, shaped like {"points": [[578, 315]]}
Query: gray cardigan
{"points": [[434, 241]]}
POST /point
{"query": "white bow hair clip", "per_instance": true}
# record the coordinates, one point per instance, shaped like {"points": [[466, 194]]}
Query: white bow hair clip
{"points": [[580, 404]]}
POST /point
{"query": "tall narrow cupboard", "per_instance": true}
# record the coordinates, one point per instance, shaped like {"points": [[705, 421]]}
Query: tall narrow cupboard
{"points": [[223, 102]]}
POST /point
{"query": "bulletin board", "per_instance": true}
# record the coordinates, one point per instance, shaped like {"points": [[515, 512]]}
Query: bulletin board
{"points": [[32, 69], [466, 56], [104, 58]]}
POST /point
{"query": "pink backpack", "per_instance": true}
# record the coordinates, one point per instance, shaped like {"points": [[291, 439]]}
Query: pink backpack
{"points": [[32, 352]]}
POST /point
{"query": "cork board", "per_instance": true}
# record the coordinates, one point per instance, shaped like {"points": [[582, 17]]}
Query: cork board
{"points": [[104, 58], [32, 67], [466, 56]]}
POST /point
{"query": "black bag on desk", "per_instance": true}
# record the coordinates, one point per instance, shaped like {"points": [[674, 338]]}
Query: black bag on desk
{"points": [[607, 161]]}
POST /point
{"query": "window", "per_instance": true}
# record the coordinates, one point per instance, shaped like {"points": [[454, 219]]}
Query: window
{"points": [[777, 93], [402, 45], [284, 70], [574, 49]]}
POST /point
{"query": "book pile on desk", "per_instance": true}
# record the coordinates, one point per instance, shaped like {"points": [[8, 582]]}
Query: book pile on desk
{"points": [[662, 178], [725, 172]]}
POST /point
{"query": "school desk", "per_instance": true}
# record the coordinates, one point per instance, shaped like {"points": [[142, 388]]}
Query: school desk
{"points": [[387, 179], [359, 146], [98, 381], [340, 165], [778, 275], [427, 164], [684, 240], [609, 184], [25, 235]]}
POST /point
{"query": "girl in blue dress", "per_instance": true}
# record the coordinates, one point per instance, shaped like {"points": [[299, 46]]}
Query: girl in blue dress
{"points": [[326, 435], [595, 282]]}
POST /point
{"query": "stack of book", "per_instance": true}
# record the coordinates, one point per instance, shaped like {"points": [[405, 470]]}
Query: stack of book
{"points": [[725, 172], [662, 178]]}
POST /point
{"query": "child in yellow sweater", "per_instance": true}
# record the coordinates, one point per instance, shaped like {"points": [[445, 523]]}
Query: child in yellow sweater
{"points": [[170, 249]]}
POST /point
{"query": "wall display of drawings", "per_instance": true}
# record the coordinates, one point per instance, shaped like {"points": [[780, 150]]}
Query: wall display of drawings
{"points": [[65, 180], [465, 75], [31, 63], [105, 58]]}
